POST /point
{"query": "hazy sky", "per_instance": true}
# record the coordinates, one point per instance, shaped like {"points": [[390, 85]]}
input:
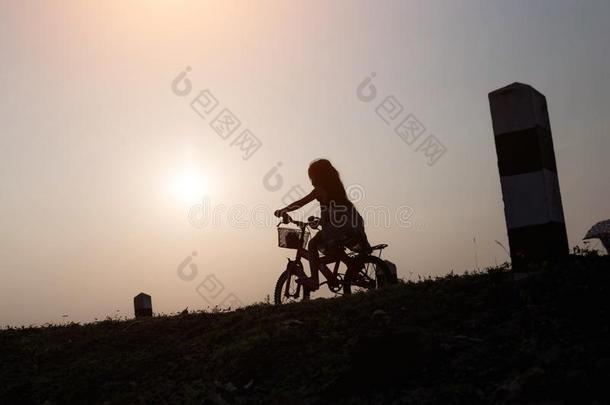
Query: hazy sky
{"points": [[100, 161]]}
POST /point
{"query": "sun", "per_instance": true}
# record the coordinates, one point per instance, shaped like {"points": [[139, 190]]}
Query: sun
{"points": [[188, 185]]}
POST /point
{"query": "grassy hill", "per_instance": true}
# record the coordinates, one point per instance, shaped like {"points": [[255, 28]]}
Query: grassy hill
{"points": [[479, 338]]}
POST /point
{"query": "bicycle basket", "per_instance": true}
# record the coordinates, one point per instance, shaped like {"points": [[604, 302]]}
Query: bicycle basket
{"points": [[290, 238]]}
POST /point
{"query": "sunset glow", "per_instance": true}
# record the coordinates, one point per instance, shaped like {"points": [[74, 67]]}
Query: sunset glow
{"points": [[188, 186]]}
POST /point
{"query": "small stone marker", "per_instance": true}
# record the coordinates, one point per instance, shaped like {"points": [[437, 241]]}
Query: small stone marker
{"points": [[142, 305], [528, 174]]}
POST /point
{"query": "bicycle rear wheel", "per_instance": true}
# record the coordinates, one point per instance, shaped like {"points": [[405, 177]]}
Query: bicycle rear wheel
{"points": [[287, 290], [373, 273]]}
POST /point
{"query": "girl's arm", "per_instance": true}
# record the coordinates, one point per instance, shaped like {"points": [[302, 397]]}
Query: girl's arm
{"points": [[297, 204]]}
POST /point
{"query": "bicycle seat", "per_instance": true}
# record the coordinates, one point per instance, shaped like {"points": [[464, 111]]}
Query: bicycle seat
{"points": [[371, 249]]}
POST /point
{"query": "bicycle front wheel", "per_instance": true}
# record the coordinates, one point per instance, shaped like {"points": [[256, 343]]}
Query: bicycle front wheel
{"points": [[287, 290]]}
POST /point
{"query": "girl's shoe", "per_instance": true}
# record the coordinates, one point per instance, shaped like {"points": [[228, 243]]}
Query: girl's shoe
{"points": [[308, 283]]}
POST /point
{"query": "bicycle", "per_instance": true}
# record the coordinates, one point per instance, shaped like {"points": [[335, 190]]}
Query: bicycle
{"points": [[364, 271]]}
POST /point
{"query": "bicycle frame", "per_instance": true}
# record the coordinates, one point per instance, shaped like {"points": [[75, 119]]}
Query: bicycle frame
{"points": [[336, 258]]}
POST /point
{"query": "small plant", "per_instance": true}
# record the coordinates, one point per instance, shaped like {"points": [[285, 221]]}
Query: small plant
{"points": [[502, 268], [586, 250]]}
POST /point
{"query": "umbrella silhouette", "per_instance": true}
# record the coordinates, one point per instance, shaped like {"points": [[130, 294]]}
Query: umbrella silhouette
{"points": [[601, 231]]}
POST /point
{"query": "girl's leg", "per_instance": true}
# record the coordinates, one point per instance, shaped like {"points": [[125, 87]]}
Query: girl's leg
{"points": [[314, 259]]}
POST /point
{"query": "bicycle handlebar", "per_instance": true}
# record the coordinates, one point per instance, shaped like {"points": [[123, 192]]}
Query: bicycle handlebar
{"points": [[312, 221]]}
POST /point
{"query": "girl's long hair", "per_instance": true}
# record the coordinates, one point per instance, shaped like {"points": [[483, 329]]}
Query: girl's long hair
{"points": [[324, 175]]}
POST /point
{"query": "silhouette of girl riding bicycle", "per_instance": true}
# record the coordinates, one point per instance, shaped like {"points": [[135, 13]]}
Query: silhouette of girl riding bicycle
{"points": [[342, 228]]}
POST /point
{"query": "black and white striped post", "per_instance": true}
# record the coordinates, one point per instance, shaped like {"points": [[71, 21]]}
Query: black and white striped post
{"points": [[528, 174]]}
